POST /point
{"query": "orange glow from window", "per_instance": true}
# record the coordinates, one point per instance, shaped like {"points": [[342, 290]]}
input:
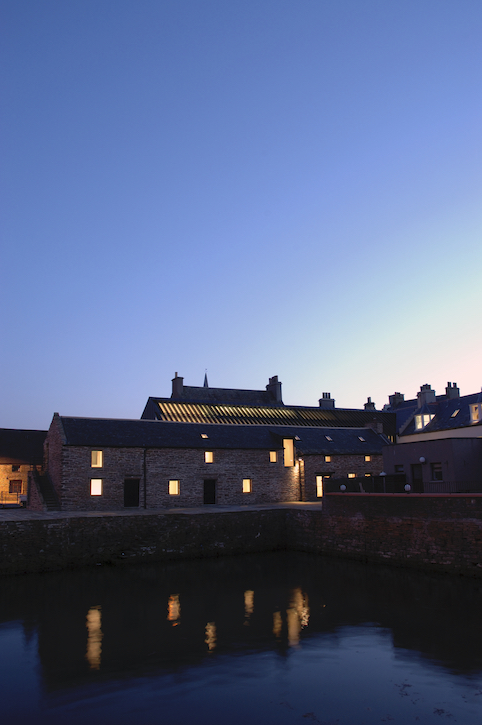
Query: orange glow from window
{"points": [[174, 609], [273, 456], [208, 457], [210, 638], [94, 637]]}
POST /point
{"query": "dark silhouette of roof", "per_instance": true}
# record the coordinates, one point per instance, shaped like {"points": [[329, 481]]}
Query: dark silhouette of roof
{"points": [[445, 415], [153, 434], [22, 446]]}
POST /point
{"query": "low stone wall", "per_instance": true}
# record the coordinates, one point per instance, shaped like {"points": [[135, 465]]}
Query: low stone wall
{"points": [[57, 543], [425, 531]]}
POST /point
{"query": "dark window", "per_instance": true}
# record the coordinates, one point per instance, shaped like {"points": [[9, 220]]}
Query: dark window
{"points": [[15, 486], [209, 490], [131, 492], [437, 472], [399, 468], [15, 468]]}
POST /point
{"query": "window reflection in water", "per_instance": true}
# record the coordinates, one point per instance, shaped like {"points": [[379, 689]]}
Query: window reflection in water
{"points": [[248, 605], [210, 639], [298, 615], [277, 624], [174, 610], [94, 637]]}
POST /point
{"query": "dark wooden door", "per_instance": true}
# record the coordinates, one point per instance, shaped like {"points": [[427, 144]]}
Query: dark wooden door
{"points": [[131, 492], [417, 478], [209, 490]]}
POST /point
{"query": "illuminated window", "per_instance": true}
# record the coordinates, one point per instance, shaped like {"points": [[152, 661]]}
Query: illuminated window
{"points": [[422, 420], [96, 459], [476, 413], [273, 456], [368, 475], [437, 472], [368, 459], [289, 452], [329, 438], [96, 487], [455, 413], [361, 438], [204, 435], [174, 487], [208, 457], [247, 485], [327, 459], [319, 486], [352, 475]]}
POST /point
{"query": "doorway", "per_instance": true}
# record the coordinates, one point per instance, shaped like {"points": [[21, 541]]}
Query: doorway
{"points": [[209, 490], [417, 478], [131, 492]]}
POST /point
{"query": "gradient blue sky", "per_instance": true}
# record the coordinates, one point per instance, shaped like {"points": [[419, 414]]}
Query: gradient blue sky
{"points": [[255, 187]]}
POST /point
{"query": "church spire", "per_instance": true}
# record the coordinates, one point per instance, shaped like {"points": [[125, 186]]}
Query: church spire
{"points": [[206, 385]]}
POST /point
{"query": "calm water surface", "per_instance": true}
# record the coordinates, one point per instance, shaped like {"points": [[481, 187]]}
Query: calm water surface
{"points": [[277, 638]]}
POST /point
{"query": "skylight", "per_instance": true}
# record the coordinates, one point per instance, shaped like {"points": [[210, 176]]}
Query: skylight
{"points": [[455, 413], [361, 438], [204, 435], [329, 438]]}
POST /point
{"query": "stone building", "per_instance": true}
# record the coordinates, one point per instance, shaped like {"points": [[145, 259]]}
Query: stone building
{"points": [[20, 450]]}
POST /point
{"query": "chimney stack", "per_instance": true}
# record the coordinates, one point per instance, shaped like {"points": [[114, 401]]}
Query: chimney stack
{"points": [[396, 399], [452, 391], [426, 395], [177, 386], [326, 401], [369, 405], [274, 387]]}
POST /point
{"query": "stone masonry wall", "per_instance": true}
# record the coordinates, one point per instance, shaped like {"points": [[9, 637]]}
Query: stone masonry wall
{"points": [[271, 482], [340, 466]]}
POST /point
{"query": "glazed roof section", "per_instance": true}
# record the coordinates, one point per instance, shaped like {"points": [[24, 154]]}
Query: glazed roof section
{"points": [[98, 432], [445, 415], [168, 410], [22, 446]]}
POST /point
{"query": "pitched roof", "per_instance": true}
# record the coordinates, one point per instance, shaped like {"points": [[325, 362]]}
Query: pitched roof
{"points": [[168, 410], [192, 394], [154, 434], [445, 414], [21, 446]]}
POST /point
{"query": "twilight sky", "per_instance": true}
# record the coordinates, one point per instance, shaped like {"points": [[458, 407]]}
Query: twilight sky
{"points": [[255, 187]]}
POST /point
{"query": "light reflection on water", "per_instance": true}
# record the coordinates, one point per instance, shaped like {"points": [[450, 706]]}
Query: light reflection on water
{"points": [[276, 638]]}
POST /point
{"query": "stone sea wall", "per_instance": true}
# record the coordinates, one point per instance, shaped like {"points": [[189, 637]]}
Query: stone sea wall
{"points": [[435, 532]]}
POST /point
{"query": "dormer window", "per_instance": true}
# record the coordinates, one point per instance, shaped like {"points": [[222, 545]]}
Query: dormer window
{"points": [[423, 420], [476, 413]]}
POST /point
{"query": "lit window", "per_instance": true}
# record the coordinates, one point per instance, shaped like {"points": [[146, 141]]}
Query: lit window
{"points": [[96, 459], [273, 456], [204, 435], [289, 452], [368, 475], [368, 459], [319, 486], [476, 413], [455, 413], [327, 459], [361, 438], [437, 472], [422, 420], [352, 475], [174, 487], [329, 438], [208, 457], [247, 485], [96, 487]]}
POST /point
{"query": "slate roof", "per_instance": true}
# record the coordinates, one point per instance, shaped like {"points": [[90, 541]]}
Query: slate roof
{"points": [[168, 410], [153, 434], [22, 446], [443, 411]]}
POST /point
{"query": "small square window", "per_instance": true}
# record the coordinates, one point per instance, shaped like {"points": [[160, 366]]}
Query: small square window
{"points": [[174, 487], [327, 459], [352, 475], [247, 486], [204, 435], [15, 486], [96, 487], [96, 459], [368, 459], [273, 456], [399, 468], [15, 468], [437, 472], [208, 457]]}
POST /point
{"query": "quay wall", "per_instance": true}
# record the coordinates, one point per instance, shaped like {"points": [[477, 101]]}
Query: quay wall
{"points": [[440, 532], [431, 531]]}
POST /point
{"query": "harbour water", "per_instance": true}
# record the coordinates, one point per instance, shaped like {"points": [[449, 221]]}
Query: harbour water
{"points": [[278, 638]]}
